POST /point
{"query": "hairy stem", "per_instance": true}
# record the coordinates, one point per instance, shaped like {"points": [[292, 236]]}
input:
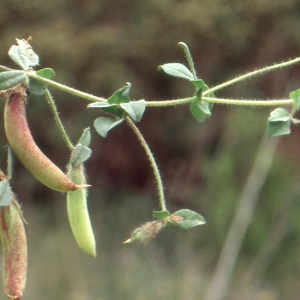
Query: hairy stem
{"points": [[189, 99], [220, 101], [65, 88], [252, 74], [250, 102], [165, 103], [153, 163], [58, 120]]}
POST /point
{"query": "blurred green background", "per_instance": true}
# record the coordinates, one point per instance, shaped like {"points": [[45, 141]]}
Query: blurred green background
{"points": [[98, 46]]}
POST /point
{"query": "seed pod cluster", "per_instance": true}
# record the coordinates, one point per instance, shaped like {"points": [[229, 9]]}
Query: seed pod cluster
{"points": [[21, 141], [14, 250], [78, 212]]}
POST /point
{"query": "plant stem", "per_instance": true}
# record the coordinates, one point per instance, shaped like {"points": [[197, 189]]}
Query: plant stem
{"points": [[65, 88], [252, 74], [58, 120], [221, 101], [249, 102], [165, 103], [183, 101], [153, 163]]}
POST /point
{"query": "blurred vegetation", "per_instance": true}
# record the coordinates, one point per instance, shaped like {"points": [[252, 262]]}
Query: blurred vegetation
{"points": [[98, 46]]}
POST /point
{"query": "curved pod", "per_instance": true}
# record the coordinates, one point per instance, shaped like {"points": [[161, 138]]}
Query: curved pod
{"points": [[14, 250], [21, 141], [78, 213]]}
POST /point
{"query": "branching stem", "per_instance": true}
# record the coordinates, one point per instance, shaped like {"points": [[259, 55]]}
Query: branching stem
{"points": [[188, 100]]}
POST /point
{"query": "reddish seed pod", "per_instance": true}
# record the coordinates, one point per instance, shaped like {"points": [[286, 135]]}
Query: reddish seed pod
{"points": [[21, 141], [14, 250]]}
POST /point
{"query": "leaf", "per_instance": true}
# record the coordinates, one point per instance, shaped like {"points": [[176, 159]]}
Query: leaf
{"points": [[135, 109], [104, 125], [10, 79], [187, 219], [100, 105], [295, 121], [121, 95], [199, 83], [36, 87], [279, 115], [177, 70], [5, 194], [46, 73], [200, 110], [85, 138], [189, 58], [115, 110], [23, 55], [160, 214], [278, 128], [120, 102], [295, 95], [79, 155], [279, 122]]}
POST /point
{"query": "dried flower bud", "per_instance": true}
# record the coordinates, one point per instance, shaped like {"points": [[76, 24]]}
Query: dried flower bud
{"points": [[147, 231]]}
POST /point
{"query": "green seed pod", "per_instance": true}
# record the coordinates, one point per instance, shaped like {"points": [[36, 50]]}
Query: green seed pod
{"points": [[22, 143], [78, 213], [14, 250]]}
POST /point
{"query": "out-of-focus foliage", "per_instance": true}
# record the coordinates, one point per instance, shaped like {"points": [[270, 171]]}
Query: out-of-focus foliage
{"points": [[98, 46]]}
